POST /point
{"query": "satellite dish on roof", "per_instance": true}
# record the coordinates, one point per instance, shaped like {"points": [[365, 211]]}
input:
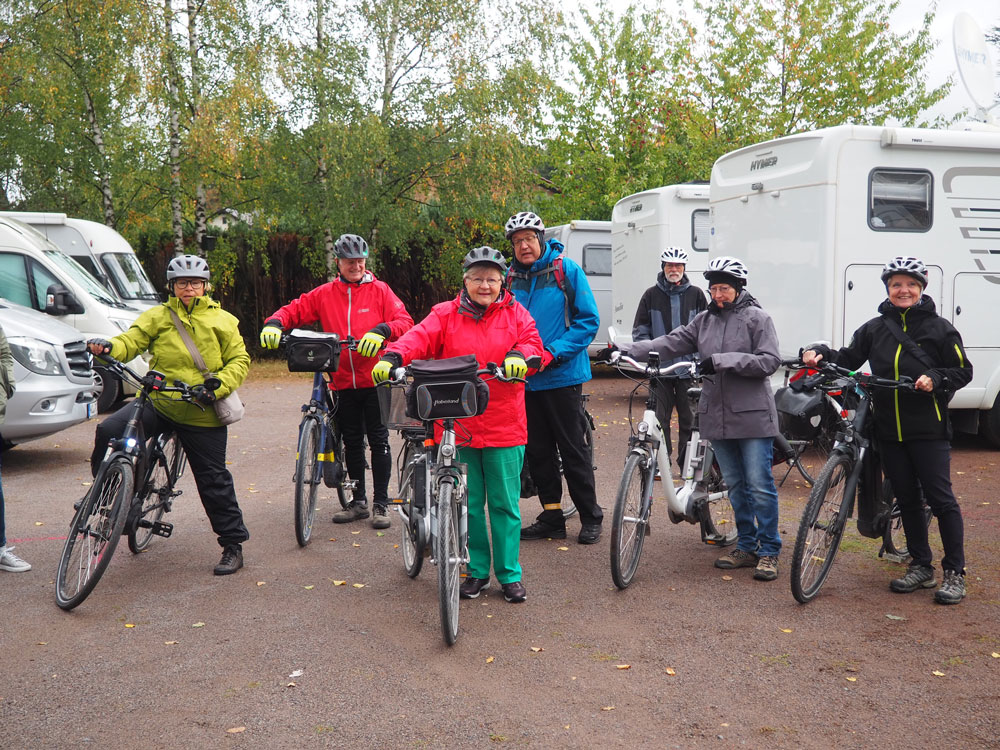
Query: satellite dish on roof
{"points": [[973, 60]]}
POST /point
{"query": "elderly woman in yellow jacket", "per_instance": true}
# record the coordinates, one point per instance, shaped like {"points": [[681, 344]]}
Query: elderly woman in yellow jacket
{"points": [[216, 335]]}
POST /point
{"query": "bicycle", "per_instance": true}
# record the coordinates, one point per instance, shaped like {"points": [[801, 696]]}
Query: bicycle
{"points": [[319, 455], [702, 498], [116, 503], [848, 473], [432, 499]]}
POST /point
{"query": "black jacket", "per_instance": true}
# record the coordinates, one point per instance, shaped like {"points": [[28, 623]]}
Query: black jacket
{"points": [[666, 306], [909, 415]]}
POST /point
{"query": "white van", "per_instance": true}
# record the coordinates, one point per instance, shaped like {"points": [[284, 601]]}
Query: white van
{"points": [[36, 274], [99, 249], [54, 382], [588, 243], [816, 215], [642, 225]]}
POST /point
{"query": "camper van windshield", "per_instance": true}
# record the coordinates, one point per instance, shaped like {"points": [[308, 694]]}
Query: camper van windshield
{"points": [[80, 276], [127, 276]]}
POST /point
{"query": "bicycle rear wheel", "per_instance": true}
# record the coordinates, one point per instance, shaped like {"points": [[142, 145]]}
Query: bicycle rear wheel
{"points": [[720, 527], [413, 553], [307, 479], [334, 470], [94, 534], [156, 491], [822, 526], [449, 561], [629, 520], [894, 537]]}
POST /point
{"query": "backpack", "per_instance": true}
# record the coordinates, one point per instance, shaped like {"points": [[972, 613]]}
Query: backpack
{"points": [[560, 275]]}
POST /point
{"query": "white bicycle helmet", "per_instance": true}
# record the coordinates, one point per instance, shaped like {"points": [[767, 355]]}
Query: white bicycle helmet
{"points": [[524, 220], [484, 254], [350, 246], [673, 255], [730, 266], [187, 267], [906, 265]]}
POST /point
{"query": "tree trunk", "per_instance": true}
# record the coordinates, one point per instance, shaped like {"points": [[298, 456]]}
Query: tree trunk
{"points": [[200, 209], [104, 176], [173, 106]]}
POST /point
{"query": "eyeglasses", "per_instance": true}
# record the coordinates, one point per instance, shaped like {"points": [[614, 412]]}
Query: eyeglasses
{"points": [[189, 283], [479, 282], [353, 261], [523, 241], [721, 289]]}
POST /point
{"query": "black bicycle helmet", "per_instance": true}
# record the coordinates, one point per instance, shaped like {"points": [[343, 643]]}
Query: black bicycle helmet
{"points": [[484, 254], [913, 267], [350, 246], [187, 267], [524, 220]]}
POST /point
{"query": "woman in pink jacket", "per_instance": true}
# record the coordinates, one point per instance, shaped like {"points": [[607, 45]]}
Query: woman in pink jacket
{"points": [[485, 320]]}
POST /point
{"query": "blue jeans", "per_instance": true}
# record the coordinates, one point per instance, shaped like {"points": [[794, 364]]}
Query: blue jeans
{"points": [[746, 467]]}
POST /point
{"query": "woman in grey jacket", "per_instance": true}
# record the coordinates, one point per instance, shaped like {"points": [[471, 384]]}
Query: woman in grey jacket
{"points": [[739, 352]]}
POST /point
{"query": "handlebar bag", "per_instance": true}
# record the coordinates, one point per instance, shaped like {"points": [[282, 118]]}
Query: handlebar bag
{"points": [[319, 352], [800, 412], [446, 389]]}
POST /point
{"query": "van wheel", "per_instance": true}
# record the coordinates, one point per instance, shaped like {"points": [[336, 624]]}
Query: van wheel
{"points": [[108, 389], [989, 423]]}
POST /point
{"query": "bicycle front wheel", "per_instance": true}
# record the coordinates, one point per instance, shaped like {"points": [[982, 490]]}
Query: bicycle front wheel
{"points": [[822, 526], [307, 478], [720, 527], [156, 491], [94, 534], [449, 561], [629, 520], [413, 553]]}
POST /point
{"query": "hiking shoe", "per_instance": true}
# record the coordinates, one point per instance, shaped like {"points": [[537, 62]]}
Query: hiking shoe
{"points": [[767, 568], [353, 512], [539, 530], [738, 558], [380, 517], [473, 587], [232, 560], [589, 534], [514, 592], [14, 564], [952, 589], [916, 577]]}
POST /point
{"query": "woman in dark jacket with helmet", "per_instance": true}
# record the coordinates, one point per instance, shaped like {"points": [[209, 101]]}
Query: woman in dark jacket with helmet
{"points": [[909, 338]]}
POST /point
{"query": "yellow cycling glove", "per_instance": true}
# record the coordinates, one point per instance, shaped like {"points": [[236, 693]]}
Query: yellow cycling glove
{"points": [[270, 337], [382, 372], [370, 344], [514, 366]]}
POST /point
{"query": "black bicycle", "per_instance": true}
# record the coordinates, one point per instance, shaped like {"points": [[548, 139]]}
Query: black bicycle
{"points": [[116, 502], [809, 408]]}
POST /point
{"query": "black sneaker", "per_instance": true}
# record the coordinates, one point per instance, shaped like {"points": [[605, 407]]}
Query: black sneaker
{"points": [[232, 560], [514, 592], [952, 589], [473, 587], [916, 577], [539, 530], [590, 533], [380, 517]]}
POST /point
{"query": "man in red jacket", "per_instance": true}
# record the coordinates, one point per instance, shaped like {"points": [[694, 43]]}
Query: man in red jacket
{"points": [[353, 304]]}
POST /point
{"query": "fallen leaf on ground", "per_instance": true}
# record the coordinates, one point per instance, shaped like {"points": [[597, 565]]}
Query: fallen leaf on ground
{"points": [[355, 532], [236, 730], [379, 533], [607, 708], [39, 523], [129, 625], [46, 643], [290, 684], [489, 659], [895, 617], [261, 583], [852, 679], [297, 673], [170, 643], [786, 630], [995, 655], [937, 673], [310, 587], [395, 546], [536, 649], [562, 549], [358, 585], [355, 545], [670, 671], [198, 625], [727, 578], [339, 583], [623, 666]]}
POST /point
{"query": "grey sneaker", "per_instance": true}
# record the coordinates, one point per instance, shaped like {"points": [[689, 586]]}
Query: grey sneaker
{"points": [[952, 589], [14, 564], [353, 512], [738, 558], [767, 568], [380, 517], [916, 577]]}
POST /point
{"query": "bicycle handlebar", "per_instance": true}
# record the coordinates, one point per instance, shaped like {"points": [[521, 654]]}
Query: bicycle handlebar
{"points": [[398, 376], [863, 379], [347, 342], [156, 381], [617, 357]]}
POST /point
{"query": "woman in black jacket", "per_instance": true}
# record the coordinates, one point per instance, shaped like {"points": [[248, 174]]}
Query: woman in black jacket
{"points": [[912, 428]]}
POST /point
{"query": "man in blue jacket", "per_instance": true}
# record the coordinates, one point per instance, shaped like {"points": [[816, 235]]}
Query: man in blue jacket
{"points": [[556, 293]]}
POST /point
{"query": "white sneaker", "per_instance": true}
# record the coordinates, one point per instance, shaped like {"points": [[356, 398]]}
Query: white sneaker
{"points": [[11, 562]]}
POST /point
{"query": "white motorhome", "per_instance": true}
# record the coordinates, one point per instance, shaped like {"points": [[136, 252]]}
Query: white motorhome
{"points": [[99, 249], [642, 225], [588, 243], [816, 215]]}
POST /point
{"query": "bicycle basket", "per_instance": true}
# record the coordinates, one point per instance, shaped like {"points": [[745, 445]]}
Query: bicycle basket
{"points": [[446, 389], [308, 351], [392, 402], [800, 412]]}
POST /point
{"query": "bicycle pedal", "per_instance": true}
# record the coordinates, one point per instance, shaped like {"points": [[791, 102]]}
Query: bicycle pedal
{"points": [[397, 500], [162, 529]]}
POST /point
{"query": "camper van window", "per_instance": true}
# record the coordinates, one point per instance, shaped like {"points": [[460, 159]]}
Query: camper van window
{"points": [[700, 229], [597, 260], [79, 274], [128, 277], [899, 200], [42, 280], [13, 281]]}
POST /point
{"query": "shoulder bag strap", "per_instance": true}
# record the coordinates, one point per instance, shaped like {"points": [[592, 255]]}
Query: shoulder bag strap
{"points": [[199, 361], [908, 343]]}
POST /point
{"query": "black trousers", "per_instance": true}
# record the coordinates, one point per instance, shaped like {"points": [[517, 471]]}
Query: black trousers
{"points": [[671, 393], [926, 464], [556, 420], [205, 448], [358, 414]]}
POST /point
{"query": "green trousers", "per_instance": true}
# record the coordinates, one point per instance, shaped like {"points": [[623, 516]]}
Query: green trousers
{"points": [[495, 484]]}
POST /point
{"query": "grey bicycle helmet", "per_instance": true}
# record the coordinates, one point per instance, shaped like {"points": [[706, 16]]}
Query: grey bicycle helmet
{"points": [[673, 255], [913, 267], [484, 254], [350, 246], [187, 267], [524, 220]]}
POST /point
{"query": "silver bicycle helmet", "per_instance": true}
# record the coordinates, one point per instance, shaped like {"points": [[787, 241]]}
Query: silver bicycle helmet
{"points": [[913, 267], [484, 254], [524, 220], [673, 255], [350, 246], [187, 267]]}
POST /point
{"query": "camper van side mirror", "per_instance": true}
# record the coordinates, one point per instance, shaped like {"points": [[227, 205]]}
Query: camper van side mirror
{"points": [[60, 301]]}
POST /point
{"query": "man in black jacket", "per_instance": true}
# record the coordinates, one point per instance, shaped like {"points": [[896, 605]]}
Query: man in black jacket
{"points": [[672, 302]]}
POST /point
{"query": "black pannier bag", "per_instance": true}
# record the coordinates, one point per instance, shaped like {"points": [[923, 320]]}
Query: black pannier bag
{"points": [[800, 412], [446, 389], [312, 352]]}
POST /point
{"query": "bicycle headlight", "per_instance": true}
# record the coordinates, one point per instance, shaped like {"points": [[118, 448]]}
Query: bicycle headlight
{"points": [[642, 428], [447, 451], [35, 355]]}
